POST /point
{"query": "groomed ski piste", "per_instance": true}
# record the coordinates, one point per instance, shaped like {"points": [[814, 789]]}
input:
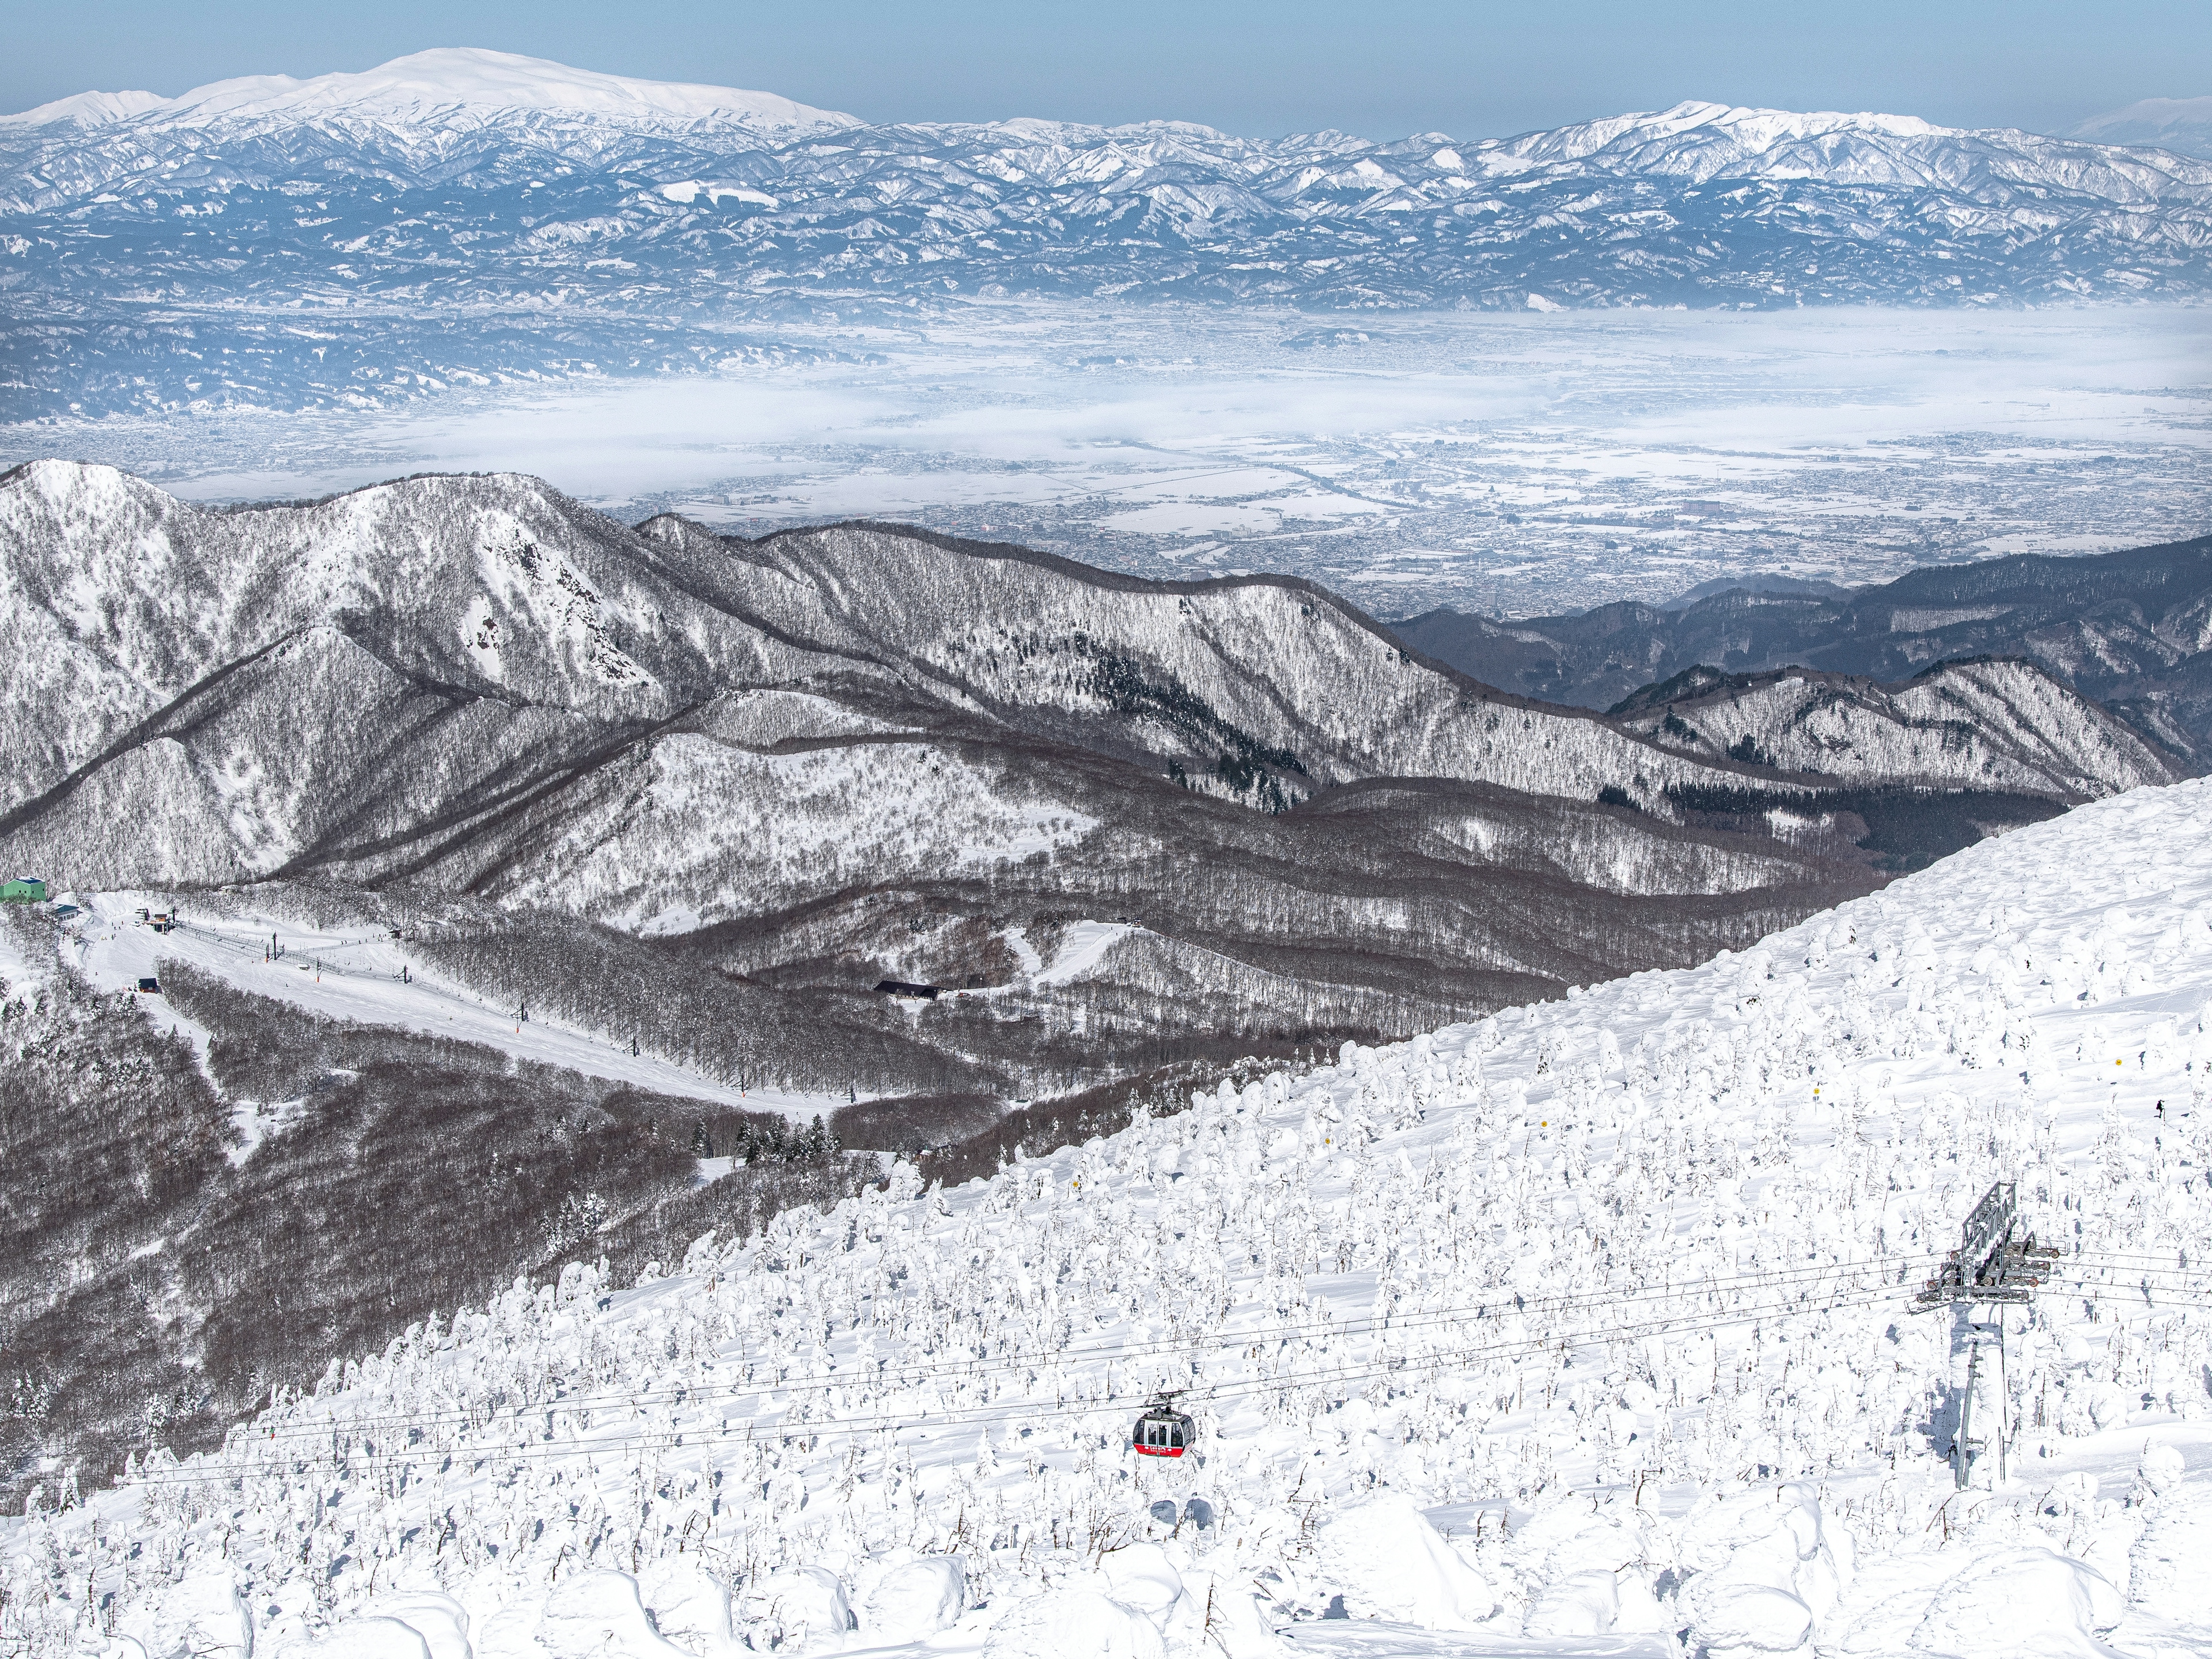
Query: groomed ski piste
{"points": [[342, 973], [1584, 1329]]}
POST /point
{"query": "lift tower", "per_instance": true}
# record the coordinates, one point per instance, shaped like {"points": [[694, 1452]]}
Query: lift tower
{"points": [[1991, 1267]]}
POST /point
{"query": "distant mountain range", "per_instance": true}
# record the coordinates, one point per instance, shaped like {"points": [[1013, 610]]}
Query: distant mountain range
{"points": [[2132, 630], [459, 216]]}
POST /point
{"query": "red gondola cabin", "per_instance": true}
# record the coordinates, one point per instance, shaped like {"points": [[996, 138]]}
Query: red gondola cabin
{"points": [[1163, 1432]]}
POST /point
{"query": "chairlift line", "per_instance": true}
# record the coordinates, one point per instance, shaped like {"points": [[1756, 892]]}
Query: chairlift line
{"points": [[979, 1369]]}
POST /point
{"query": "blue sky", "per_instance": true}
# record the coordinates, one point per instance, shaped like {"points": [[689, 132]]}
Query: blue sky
{"points": [[1382, 69]]}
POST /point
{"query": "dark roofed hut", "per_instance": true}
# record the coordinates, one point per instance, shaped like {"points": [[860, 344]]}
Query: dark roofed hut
{"points": [[900, 988]]}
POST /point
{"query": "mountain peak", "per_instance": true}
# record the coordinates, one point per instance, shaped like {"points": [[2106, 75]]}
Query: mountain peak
{"points": [[2184, 125], [440, 83], [87, 109], [1702, 138]]}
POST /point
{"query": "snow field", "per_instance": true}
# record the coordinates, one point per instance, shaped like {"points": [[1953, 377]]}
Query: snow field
{"points": [[1580, 1329], [718, 826]]}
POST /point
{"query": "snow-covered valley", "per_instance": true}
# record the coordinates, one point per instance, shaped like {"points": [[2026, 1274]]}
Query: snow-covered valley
{"points": [[1583, 1328]]}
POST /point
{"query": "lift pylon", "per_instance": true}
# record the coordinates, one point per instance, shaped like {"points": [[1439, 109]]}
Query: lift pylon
{"points": [[1991, 1268], [1990, 1264]]}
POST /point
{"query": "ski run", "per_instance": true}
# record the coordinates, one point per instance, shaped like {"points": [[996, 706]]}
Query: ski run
{"points": [[1583, 1329], [357, 974]]}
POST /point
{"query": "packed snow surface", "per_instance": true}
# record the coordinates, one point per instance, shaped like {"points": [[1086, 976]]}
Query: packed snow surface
{"points": [[357, 974], [1583, 1329]]}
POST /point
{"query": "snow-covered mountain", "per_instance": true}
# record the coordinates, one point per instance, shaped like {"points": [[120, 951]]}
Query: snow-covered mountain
{"points": [[2004, 726], [424, 113], [438, 89], [703, 795], [651, 220], [85, 109], [439, 640], [1586, 1327], [2181, 125], [132, 607], [2129, 628]]}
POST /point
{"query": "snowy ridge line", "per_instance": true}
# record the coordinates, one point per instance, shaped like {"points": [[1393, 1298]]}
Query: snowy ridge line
{"points": [[978, 1369], [983, 1414]]}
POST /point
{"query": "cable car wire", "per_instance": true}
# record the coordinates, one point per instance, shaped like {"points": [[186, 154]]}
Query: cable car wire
{"points": [[982, 1414], [917, 1373], [987, 1411]]}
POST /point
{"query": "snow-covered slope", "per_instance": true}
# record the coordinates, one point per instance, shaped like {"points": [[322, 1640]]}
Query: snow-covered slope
{"points": [[195, 648], [528, 197], [2004, 725], [479, 669], [1588, 1321], [2129, 628], [1272, 670], [122, 599], [355, 975]]}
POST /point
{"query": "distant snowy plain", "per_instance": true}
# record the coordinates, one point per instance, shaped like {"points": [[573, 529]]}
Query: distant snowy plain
{"points": [[1520, 465]]}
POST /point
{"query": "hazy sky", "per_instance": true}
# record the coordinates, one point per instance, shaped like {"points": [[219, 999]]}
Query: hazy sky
{"points": [[1260, 68]]}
